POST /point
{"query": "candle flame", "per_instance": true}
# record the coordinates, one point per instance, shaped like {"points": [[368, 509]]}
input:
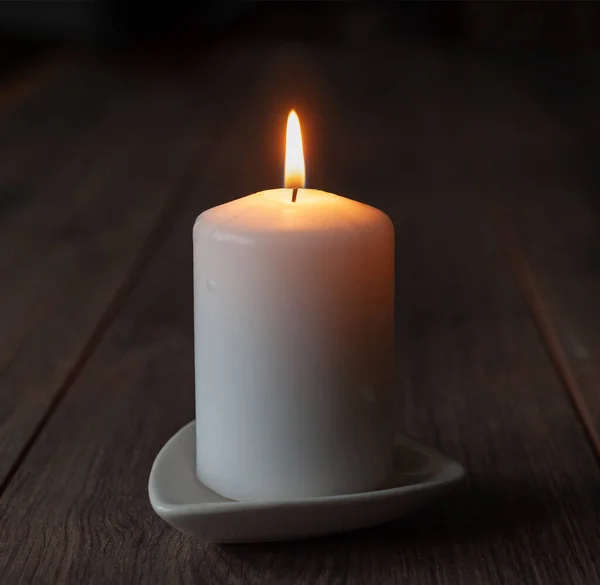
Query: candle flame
{"points": [[294, 174]]}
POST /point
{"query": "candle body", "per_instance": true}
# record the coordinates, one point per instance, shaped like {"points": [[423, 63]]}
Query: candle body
{"points": [[293, 307]]}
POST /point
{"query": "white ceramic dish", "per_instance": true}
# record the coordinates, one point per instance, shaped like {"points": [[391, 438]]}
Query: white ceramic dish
{"points": [[421, 474]]}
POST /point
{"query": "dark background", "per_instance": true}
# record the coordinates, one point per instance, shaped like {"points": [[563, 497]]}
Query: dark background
{"points": [[502, 24]]}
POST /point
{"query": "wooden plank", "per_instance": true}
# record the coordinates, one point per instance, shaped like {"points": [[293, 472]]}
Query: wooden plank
{"points": [[472, 376], [92, 183], [542, 164]]}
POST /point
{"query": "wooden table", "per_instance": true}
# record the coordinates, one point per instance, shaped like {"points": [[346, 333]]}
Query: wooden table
{"points": [[487, 165]]}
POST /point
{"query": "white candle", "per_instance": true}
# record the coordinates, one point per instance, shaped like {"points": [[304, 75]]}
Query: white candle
{"points": [[293, 310]]}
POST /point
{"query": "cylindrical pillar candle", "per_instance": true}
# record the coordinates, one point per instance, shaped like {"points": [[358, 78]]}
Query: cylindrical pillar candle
{"points": [[294, 305]]}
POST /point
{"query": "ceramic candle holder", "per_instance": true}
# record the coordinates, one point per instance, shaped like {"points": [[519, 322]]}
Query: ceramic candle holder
{"points": [[293, 306]]}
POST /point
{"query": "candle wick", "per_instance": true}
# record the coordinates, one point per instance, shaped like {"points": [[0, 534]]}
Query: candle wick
{"points": [[294, 194]]}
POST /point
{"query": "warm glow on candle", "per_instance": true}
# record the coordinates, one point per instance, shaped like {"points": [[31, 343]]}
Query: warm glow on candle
{"points": [[294, 174]]}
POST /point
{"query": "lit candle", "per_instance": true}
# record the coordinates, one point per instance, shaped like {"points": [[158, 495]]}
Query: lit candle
{"points": [[293, 303]]}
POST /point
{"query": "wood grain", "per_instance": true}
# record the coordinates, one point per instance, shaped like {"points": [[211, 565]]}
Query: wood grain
{"points": [[88, 170], [473, 378], [544, 185]]}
